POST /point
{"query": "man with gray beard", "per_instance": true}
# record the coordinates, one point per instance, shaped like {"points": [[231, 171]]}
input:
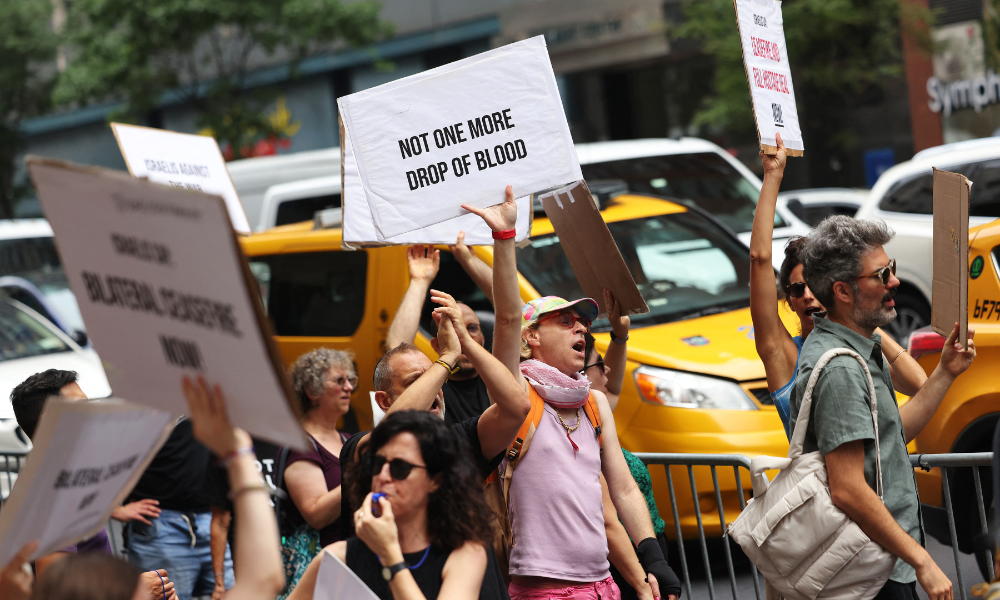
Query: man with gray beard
{"points": [[849, 272]]}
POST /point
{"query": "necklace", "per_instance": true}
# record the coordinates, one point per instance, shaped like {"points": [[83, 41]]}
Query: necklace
{"points": [[569, 430], [417, 566]]}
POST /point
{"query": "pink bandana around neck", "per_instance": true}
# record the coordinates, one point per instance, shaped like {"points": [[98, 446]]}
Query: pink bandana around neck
{"points": [[554, 386]]}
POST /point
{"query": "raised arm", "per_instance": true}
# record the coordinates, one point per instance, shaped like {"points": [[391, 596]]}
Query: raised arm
{"points": [[258, 548], [907, 375], [421, 393], [423, 262], [506, 295], [617, 355], [499, 423], [774, 344], [479, 271], [916, 413]]}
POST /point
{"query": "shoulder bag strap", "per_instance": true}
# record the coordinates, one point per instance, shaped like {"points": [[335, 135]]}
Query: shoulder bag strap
{"points": [[594, 414], [802, 421]]}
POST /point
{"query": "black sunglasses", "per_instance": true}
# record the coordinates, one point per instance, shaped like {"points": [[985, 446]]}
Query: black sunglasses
{"points": [[796, 290], [599, 363], [884, 273], [399, 469]]}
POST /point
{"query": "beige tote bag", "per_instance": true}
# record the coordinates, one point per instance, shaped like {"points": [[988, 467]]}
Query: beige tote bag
{"points": [[804, 545]]}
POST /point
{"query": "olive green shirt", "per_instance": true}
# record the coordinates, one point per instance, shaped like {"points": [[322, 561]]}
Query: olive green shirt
{"points": [[840, 413]]}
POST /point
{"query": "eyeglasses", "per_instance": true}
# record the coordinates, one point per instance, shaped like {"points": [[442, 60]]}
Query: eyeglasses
{"points": [[599, 364], [567, 319], [342, 380], [884, 273], [796, 290], [399, 469]]}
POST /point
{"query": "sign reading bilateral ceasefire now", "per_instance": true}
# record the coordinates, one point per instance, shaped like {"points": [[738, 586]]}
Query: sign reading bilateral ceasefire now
{"points": [[769, 75]]}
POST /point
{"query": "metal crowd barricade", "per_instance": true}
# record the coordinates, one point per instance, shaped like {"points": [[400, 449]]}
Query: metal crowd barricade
{"points": [[11, 463], [946, 462]]}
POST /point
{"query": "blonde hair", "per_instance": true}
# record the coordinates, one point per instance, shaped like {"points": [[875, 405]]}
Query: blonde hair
{"points": [[526, 351]]}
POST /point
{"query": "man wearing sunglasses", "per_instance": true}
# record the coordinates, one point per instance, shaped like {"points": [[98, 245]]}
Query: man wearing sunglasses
{"points": [[560, 547], [847, 269], [464, 392]]}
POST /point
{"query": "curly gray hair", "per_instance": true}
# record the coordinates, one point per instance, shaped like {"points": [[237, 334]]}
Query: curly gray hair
{"points": [[833, 251], [309, 371]]}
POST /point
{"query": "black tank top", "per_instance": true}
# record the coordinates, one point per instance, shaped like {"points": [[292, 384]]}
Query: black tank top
{"points": [[366, 565]]}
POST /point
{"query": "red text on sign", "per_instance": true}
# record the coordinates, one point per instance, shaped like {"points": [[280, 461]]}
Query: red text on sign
{"points": [[769, 80], [765, 49]]}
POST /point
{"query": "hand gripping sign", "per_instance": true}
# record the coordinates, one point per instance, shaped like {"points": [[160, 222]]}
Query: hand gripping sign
{"points": [[359, 226], [166, 292], [459, 134], [87, 457], [766, 60]]}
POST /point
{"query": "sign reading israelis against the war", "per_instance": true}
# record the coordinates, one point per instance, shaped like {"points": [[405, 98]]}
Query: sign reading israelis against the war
{"points": [[87, 456], [180, 160], [769, 75], [166, 292], [459, 134], [359, 227]]}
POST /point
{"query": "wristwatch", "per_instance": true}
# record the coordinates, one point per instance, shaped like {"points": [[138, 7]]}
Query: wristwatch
{"points": [[389, 572]]}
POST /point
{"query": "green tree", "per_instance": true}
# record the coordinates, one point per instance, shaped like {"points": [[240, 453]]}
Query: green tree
{"points": [[202, 51], [27, 44], [842, 53]]}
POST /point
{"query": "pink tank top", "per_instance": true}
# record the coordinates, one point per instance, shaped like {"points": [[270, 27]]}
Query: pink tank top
{"points": [[556, 510]]}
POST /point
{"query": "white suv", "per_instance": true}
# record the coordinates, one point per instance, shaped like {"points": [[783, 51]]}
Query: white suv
{"points": [[903, 198]]}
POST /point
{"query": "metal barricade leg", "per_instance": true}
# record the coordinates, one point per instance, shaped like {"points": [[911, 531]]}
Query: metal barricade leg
{"points": [[677, 526], [701, 533]]}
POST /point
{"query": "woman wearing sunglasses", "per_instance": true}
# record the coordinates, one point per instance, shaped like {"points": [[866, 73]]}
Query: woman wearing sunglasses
{"points": [[428, 540], [777, 348]]}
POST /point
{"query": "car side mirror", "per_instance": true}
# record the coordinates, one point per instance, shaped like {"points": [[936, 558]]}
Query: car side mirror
{"points": [[80, 337], [796, 208]]}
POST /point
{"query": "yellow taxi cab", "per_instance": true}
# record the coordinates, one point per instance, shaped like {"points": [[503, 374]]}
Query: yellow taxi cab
{"points": [[694, 384], [968, 414]]}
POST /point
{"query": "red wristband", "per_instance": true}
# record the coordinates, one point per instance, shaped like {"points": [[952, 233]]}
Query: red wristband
{"points": [[504, 235]]}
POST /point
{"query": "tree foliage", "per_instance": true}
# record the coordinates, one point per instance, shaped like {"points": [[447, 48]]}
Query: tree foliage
{"points": [[26, 45], [841, 51], [203, 51]]}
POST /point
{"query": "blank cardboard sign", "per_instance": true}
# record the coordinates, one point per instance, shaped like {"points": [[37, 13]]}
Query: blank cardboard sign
{"points": [[950, 291], [591, 250]]}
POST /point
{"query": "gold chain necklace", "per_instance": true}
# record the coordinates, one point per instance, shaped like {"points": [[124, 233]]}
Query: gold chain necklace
{"points": [[569, 429]]}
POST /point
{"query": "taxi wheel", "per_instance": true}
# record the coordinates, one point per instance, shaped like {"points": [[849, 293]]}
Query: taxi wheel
{"points": [[912, 313]]}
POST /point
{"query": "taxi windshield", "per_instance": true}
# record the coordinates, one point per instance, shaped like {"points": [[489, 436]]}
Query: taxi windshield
{"points": [[23, 336], [685, 267]]}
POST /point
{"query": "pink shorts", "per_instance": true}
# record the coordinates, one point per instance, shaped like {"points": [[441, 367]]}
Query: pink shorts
{"points": [[602, 590]]}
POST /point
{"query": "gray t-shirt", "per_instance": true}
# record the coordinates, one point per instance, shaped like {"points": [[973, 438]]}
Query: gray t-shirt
{"points": [[840, 414]]}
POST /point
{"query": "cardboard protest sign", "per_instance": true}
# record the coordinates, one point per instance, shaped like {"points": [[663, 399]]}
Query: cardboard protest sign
{"points": [[181, 160], [335, 581], [166, 292], [592, 252], [87, 457], [359, 227], [769, 75], [459, 134], [950, 289]]}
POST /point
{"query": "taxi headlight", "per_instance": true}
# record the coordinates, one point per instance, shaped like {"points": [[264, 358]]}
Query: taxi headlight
{"points": [[666, 387]]}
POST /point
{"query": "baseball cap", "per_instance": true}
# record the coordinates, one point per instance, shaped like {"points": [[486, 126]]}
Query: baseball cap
{"points": [[585, 307]]}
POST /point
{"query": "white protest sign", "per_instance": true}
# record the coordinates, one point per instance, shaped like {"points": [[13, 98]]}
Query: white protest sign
{"points": [[459, 134], [181, 160], [769, 75], [166, 292], [359, 228], [87, 457], [335, 581]]}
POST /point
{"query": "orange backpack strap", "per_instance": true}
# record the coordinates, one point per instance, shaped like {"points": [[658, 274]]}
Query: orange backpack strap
{"points": [[595, 417]]}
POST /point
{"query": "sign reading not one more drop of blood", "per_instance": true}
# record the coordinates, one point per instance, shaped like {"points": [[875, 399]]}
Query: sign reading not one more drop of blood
{"points": [[769, 75], [165, 292], [459, 134], [180, 160]]}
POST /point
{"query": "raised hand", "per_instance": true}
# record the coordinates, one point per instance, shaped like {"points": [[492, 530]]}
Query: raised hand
{"points": [[137, 511], [16, 581], [774, 164], [460, 251], [210, 421], [619, 323], [501, 217], [424, 262], [448, 341], [449, 310], [955, 360]]}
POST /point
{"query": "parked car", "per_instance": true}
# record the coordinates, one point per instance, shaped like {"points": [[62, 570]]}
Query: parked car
{"points": [[903, 198], [694, 384], [813, 205], [31, 273], [30, 343], [968, 414]]}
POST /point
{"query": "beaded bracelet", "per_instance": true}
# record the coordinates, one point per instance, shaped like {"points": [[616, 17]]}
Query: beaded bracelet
{"points": [[224, 461]]}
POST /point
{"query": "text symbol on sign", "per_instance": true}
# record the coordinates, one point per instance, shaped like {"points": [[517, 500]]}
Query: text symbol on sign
{"points": [[759, 21], [776, 109]]}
